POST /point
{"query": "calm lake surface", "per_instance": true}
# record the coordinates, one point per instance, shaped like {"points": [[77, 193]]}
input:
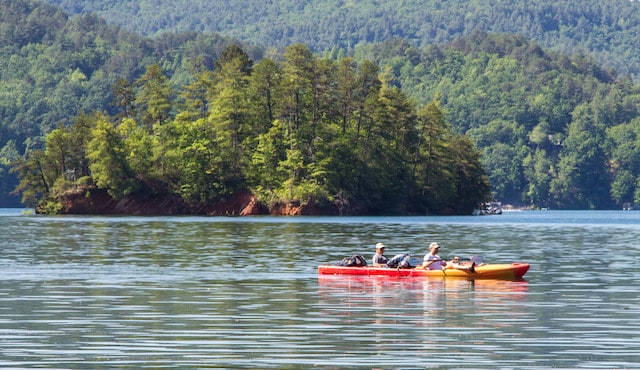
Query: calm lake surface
{"points": [[197, 292]]}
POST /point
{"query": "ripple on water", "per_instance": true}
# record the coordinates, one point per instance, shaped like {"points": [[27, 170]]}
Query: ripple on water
{"points": [[230, 292]]}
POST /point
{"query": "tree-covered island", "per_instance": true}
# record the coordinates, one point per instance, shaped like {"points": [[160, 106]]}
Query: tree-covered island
{"points": [[326, 136]]}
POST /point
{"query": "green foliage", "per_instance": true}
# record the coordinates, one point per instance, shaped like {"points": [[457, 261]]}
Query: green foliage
{"points": [[137, 146], [582, 177], [202, 116], [196, 160], [9, 156], [34, 183], [154, 98], [623, 144], [605, 30], [53, 67], [264, 170], [470, 178], [369, 155], [542, 121], [49, 207], [108, 155]]}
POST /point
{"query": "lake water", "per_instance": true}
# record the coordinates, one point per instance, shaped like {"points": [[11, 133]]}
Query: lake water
{"points": [[197, 292]]}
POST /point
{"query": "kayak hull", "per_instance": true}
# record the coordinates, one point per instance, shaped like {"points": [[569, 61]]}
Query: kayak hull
{"points": [[509, 271]]}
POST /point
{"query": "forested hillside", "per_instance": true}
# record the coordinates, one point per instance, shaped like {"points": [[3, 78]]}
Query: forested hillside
{"points": [[52, 67], [554, 130], [608, 30]]}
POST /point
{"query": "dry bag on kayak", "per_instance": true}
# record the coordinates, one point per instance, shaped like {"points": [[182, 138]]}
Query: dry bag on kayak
{"points": [[400, 261], [353, 261]]}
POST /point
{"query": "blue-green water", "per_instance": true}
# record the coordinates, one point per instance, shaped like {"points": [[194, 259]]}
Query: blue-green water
{"points": [[195, 292]]}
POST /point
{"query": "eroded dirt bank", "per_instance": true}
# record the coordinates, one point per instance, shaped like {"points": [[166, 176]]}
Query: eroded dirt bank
{"points": [[99, 202]]}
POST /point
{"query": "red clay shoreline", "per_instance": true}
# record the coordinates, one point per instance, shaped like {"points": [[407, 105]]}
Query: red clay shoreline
{"points": [[94, 201]]}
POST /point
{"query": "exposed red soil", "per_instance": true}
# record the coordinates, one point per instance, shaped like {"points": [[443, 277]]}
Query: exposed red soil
{"points": [[98, 202]]}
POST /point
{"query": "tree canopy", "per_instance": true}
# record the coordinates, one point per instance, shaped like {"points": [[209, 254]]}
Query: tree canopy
{"points": [[543, 121], [366, 153], [554, 129], [605, 30], [52, 67]]}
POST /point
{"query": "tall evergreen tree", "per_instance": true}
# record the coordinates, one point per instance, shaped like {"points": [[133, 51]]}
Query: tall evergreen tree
{"points": [[229, 116], [109, 166], [431, 161], [155, 96]]}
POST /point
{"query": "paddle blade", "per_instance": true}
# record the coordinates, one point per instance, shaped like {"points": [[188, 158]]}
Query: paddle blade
{"points": [[476, 259]]}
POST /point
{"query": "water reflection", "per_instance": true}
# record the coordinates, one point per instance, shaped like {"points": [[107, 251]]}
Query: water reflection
{"points": [[434, 300], [456, 316]]}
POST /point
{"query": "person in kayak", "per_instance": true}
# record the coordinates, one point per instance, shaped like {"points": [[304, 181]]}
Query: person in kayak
{"points": [[379, 260], [432, 261]]}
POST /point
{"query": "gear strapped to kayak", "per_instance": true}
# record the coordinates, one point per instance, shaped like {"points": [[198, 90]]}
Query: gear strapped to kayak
{"points": [[401, 261], [354, 261]]}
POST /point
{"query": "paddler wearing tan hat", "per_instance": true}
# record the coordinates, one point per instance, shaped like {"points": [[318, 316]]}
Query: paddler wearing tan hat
{"points": [[432, 261], [379, 260]]}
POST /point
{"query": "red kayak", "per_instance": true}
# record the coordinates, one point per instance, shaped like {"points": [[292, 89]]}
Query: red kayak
{"points": [[507, 271]]}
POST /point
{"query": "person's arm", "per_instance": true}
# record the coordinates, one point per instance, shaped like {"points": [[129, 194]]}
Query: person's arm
{"points": [[428, 262]]}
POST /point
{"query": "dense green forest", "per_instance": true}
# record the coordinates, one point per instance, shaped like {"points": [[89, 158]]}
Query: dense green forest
{"points": [[53, 67], [607, 30], [554, 130], [306, 130]]}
